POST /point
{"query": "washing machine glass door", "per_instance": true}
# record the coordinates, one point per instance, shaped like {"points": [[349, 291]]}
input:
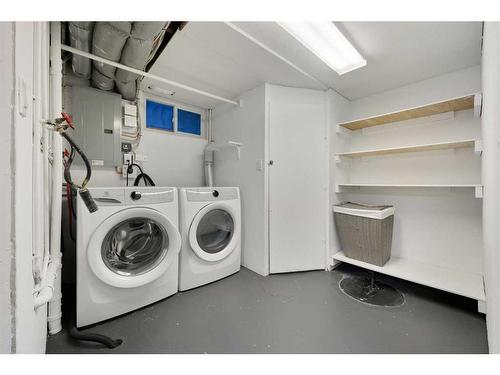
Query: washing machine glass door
{"points": [[133, 247], [214, 232]]}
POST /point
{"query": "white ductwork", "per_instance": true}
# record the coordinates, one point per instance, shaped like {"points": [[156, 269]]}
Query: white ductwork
{"points": [[135, 54], [209, 158], [80, 36], [108, 41], [129, 43]]}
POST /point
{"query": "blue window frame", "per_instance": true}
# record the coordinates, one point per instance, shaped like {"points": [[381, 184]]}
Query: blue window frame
{"points": [[159, 116], [188, 122]]}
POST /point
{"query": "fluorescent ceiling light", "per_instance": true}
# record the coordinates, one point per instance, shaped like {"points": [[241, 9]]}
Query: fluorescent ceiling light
{"points": [[326, 41]]}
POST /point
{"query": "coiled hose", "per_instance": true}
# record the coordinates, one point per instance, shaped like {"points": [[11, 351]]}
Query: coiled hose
{"points": [[92, 207], [83, 191]]}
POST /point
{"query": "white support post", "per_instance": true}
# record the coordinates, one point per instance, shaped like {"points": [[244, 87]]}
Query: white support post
{"points": [[478, 191], [478, 104], [478, 147]]}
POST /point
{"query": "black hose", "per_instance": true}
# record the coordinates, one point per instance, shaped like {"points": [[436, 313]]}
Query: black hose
{"points": [[141, 176], [84, 193], [94, 337], [146, 178], [67, 173]]}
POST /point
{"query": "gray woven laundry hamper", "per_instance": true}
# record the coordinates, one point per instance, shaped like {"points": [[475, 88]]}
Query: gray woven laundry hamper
{"points": [[365, 231]]}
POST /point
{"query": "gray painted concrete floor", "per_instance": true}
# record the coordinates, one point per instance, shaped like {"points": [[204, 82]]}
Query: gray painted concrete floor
{"points": [[292, 313]]}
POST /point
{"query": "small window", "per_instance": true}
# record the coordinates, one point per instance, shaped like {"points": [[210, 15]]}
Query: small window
{"points": [[159, 116], [188, 122]]}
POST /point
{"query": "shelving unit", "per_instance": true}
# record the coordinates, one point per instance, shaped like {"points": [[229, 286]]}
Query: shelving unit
{"points": [[463, 283], [414, 148], [454, 104], [453, 276]]}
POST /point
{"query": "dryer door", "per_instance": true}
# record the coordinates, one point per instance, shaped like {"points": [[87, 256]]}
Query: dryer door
{"points": [[215, 231], [133, 247]]}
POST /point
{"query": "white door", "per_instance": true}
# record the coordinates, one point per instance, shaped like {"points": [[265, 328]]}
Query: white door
{"points": [[297, 183]]}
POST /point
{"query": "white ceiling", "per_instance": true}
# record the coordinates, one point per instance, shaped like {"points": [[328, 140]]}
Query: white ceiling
{"points": [[212, 56]]}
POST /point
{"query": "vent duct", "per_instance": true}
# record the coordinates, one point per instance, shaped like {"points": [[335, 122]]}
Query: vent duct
{"points": [[135, 54], [133, 44], [80, 35]]}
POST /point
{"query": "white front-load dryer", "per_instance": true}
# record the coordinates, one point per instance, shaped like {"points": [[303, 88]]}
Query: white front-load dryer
{"points": [[127, 251], [210, 222]]}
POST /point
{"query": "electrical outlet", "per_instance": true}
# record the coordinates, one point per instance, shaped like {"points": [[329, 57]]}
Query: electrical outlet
{"points": [[128, 158], [131, 175]]}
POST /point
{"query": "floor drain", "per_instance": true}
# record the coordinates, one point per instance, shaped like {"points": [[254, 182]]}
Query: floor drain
{"points": [[368, 290]]}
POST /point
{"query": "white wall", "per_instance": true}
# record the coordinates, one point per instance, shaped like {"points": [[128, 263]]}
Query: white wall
{"points": [[437, 226], [455, 84], [246, 124], [6, 254], [491, 179]]}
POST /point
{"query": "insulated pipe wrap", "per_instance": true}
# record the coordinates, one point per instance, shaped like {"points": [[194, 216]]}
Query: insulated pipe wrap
{"points": [[146, 30], [102, 82], [127, 89], [129, 43], [108, 42], [81, 35], [135, 54]]}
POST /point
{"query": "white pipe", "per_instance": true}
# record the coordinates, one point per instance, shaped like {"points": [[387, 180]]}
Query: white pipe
{"points": [[210, 130], [209, 158], [54, 315], [146, 74], [47, 291], [46, 285], [37, 161], [46, 144], [209, 165]]}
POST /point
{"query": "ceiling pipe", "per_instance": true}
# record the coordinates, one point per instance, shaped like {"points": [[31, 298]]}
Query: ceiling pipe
{"points": [[147, 75]]}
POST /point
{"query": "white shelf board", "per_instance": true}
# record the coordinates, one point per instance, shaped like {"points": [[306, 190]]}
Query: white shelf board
{"points": [[414, 148], [467, 284], [478, 189], [413, 185]]}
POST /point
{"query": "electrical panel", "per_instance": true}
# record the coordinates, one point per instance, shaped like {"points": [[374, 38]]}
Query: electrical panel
{"points": [[97, 116]]}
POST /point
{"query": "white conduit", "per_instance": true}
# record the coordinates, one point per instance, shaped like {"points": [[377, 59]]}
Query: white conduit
{"points": [[146, 74], [47, 272], [46, 144], [54, 269], [37, 162]]}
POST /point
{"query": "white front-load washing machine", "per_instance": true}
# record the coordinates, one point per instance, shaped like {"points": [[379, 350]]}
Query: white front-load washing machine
{"points": [[210, 222], [127, 251]]}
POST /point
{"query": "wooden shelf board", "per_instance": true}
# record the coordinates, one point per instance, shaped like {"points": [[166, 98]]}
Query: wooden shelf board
{"points": [[414, 148], [455, 104], [467, 284]]}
